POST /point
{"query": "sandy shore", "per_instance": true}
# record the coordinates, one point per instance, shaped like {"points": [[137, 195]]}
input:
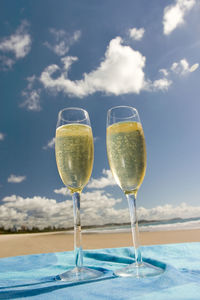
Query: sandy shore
{"points": [[22, 244]]}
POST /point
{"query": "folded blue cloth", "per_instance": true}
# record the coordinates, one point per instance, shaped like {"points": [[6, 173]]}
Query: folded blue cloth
{"points": [[33, 276]]}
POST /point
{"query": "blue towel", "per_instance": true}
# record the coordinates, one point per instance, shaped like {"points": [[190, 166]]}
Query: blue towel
{"points": [[33, 276]]}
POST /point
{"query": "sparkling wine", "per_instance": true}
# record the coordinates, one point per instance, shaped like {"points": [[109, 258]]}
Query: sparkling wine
{"points": [[127, 154], [74, 155]]}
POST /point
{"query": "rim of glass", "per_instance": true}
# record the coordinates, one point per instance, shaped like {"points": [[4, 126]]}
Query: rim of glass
{"points": [[124, 106], [73, 108]]}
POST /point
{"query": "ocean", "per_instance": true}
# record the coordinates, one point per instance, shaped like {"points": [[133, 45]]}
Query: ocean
{"points": [[159, 225]]}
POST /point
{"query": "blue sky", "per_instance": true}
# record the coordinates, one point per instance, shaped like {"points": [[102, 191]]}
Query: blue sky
{"points": [[95, 55]]}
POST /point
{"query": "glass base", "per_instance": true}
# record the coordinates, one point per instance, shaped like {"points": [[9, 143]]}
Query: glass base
{"points": [[79, 274], [139, 270]]}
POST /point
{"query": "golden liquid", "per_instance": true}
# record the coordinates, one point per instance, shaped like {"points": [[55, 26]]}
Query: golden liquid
{"points": [[74, 155], [127, 154]]}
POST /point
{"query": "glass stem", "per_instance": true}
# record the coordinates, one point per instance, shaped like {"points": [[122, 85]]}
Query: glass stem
{"points": [[77, 231], [134, 227]]}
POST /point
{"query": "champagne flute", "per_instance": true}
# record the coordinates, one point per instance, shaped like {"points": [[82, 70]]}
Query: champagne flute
{"points": [[74, 157], [127, 159]]}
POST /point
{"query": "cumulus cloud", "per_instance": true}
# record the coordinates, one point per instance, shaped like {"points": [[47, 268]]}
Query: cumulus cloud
{"points": [[16, 179], [97, 208], [182, 67], [174, 14], [35, 211], [120, 72], [63, 41], [164, 72], [18, 44], [194, 67], [136, 34], [168, 211], [2, 136], [31, 95], [161, 84], [32, 101], [6, 62], [63, 191], [179, 68], [105, 180]]}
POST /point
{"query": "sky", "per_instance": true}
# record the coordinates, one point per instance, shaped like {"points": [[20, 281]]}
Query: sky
{"points": [[96, 55]]}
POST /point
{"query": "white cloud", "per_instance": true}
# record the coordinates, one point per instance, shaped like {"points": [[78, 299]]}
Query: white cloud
{"points": [[6, 62], [182, 67], [36, 211], [105, 180], [194, 67], [2, 136], [63, 41], [121, 72], [164, 72], [97, 208], [16, 179], [161, 84], [169, 211], [63, 191], [18, 44], [50, 144], [102, 182], [31, 95], [100, 208], [136, 34], [32, 101], [174, 14]]}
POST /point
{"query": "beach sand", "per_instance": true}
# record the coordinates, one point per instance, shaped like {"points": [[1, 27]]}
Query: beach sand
{"points": [[23, 244]]}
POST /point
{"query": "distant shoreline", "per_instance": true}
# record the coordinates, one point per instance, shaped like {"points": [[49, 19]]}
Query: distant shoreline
{"points": [[144, 225], [48, 242]]}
